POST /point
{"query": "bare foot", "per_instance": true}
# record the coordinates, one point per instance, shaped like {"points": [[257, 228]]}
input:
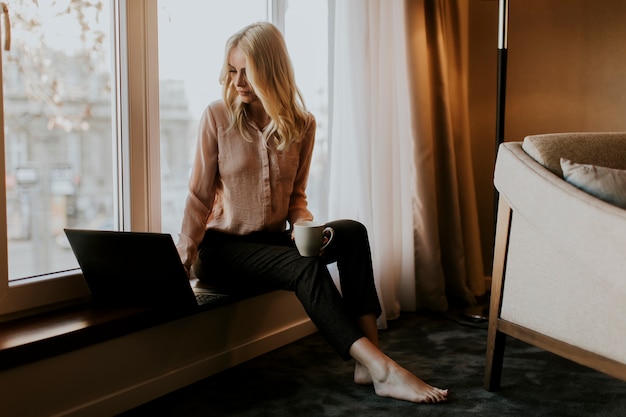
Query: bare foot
{"points": [[396, 382], [361, 375], [389, 378]]}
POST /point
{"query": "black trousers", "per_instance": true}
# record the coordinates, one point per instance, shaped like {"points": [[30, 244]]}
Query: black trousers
{"points": [[269, 261]]}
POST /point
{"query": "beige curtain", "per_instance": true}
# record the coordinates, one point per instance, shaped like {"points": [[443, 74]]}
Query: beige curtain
{"points": [[447, 246], [371, 169], [399, 152]]}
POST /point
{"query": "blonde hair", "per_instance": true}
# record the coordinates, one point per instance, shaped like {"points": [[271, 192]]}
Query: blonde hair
{"points": [[270, 74]]}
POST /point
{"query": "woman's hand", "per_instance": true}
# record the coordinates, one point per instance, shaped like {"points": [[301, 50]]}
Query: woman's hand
{"points": [[187, 269]]}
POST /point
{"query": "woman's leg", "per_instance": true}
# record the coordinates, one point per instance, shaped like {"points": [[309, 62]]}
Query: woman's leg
{"points": [[271, 261], [392, 380], [245, 263], [368, 325], [351, 250]]}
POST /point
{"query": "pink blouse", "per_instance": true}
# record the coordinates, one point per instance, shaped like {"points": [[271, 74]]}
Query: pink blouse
{"points": [[239, 187]]}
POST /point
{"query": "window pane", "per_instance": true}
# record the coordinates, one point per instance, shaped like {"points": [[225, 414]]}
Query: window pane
{"points": [[306, 34], [58, 130], [192, 34]]}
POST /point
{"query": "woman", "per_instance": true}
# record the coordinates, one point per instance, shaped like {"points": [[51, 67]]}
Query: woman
{"points": [[248, 183]]}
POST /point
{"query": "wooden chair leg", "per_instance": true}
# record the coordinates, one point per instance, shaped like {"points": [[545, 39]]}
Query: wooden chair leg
{"points": [[496, 339], [495, 356]]}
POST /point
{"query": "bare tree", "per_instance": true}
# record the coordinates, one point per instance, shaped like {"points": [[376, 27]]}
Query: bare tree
{"points": [[54, 66]]}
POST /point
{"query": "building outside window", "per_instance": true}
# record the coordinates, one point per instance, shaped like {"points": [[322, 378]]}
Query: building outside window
{"points": [[58, 130]]}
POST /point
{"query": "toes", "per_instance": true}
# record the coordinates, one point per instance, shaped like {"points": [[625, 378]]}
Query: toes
{"points": [[440, 395]]}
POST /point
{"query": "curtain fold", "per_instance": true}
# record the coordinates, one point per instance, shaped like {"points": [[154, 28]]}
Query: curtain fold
{"points": [[448, 255], [399, 153]]}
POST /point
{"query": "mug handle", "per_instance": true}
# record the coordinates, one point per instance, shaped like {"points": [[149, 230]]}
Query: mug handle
{"points": [[331, 234]]}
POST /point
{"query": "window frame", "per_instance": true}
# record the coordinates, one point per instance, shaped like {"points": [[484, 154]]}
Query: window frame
{"points": [[136, 157], [136, 153]]}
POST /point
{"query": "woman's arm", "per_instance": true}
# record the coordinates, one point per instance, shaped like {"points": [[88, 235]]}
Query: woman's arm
{"points": [[298, 203], [202, 186]]}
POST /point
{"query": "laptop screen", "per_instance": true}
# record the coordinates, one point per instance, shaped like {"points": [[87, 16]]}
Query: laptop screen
{"points": [[131, 268]]}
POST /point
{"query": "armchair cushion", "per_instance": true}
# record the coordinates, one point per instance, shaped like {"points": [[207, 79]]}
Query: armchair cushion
{"points": [[597, 148], [604, 183]]}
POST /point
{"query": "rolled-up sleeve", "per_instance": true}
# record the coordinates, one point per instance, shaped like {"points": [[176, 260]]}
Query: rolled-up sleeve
{"points": [[298, 202], [202, 188]]}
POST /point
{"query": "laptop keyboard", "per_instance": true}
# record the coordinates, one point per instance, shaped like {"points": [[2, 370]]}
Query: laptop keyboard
{"points": [[205, 297]]}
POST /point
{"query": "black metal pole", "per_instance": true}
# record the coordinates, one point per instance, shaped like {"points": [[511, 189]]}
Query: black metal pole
{"points": [[503, 29], [481, 312], [503, 23]]}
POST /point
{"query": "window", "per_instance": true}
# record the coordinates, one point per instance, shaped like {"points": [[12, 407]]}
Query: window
{"points": [[306, 34], [99, 133], [57, 131]]}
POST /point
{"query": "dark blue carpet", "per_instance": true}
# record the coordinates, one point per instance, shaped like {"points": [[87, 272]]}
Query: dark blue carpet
{"points": [[307, 378]]}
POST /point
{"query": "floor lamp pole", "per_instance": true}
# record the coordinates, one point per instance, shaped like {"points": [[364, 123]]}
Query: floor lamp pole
{"points": [[503, 29], [481, 312], [503, 32]]}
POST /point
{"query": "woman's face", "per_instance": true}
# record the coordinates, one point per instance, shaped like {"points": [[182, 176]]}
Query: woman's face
{"points": [[237, 70]]}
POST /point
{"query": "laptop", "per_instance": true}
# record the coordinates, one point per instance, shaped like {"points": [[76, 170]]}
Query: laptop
{"points": [[135, 269]]}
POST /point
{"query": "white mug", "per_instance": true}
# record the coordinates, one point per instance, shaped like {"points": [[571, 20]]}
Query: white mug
{"points": [[309, 237]]}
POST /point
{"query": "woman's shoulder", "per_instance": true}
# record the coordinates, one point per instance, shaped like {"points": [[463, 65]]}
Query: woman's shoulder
{"points": [[310, 120], [216, 113], [217, 107]]}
